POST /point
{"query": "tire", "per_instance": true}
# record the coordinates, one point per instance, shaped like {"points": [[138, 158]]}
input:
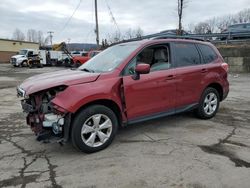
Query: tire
{"points": [[86, 134], [40, 66], [209, 103], [78, 64], [24, 63], [30, 65], [53, 63]]}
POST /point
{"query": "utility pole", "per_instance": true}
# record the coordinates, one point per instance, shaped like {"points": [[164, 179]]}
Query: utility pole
{"points": [[96, 23], [50, 36]]}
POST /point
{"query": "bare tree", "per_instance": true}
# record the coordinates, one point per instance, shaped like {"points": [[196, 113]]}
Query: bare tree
{"points": [[218, 24], [202, 28], [32, 35], [129, 34], [133, 33], [115, 37], [18, 35], [138, 32], [40, 38], [181, 4]]}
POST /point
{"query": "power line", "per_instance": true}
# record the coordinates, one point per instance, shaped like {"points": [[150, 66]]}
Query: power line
{"points": [[112, 16], [67, 22]]}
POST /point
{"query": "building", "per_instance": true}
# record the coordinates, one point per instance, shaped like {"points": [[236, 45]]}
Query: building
{"points": [[9, 48]]}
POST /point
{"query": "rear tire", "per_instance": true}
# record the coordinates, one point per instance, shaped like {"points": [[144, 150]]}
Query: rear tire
{"points": [[94, 128], [209, 103]]}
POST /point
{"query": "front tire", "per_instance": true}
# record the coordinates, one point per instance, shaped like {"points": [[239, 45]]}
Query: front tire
{"points": [[78, 64], [209, 103], [94, 128]]}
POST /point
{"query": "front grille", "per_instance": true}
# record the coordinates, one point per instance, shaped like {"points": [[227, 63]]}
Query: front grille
{"points": [[13, 60]]}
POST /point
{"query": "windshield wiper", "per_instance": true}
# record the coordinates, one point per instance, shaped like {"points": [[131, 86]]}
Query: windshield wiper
{"points": [[87, 70]]}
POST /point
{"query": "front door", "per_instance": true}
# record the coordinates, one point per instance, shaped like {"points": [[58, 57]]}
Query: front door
{"points": [[153, 93]]}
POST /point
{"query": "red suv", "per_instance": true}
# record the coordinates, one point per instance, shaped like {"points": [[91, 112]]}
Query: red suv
{"points": [[127, 83]]}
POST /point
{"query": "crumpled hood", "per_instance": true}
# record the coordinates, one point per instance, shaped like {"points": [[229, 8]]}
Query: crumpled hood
{"points": [[17, 56], [53, 79]]}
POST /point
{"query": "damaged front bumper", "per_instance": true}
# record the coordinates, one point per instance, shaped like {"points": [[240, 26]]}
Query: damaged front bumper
{"points": [[44, 118]]}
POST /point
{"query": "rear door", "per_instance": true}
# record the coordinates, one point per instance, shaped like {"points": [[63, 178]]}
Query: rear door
{"points": [[189, 73]]}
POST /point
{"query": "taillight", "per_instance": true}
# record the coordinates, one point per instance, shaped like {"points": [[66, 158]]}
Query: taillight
{"points": [[225, 66]]}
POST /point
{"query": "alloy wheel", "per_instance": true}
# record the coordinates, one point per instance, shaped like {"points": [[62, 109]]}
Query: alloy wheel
{"points": [[96, 130], [210, 103]]}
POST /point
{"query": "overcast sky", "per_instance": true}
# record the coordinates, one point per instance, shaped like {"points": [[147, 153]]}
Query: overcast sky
{"points": [[150, 15]]}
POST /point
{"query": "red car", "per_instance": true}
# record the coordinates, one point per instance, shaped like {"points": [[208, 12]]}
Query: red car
{"points": [[127, 83], [79, 60]]}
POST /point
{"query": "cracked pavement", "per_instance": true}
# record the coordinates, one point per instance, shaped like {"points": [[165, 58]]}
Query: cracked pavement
{"points": [[178, 151]]}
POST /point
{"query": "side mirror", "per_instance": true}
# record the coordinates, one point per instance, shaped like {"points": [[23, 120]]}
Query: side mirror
{"points": [[142, 68]]}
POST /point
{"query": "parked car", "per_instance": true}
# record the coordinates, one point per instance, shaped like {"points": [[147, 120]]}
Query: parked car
{"points": [[173, 32], [125, 84], [22, 57], [77, 53], [237, 28], [79, 60]]}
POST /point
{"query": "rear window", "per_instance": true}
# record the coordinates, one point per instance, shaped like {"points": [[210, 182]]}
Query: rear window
{"points": [[208, 53], [186, 54]]}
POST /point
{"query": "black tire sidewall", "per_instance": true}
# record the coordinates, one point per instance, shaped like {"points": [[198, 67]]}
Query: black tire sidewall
{"points": [[200, 111], [79, 120]]}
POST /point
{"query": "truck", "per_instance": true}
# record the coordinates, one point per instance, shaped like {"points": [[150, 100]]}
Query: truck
{"points": [[51, 57], [22, 57], [79, 60]]}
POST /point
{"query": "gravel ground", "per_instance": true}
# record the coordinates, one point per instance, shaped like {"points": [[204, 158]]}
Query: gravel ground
{"points": [[177, 151]]}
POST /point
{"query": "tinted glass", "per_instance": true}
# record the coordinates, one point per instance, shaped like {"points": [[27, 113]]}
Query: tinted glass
{"points": [[208, 53], [186, 54]]}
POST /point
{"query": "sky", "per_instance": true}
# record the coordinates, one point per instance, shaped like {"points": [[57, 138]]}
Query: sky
{"points": [[150, 15]]}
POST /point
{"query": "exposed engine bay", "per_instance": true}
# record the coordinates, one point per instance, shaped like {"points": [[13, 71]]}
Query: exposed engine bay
{"points": [[45, 118]]}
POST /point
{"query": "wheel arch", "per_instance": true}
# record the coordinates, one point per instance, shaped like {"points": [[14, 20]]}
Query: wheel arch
{"points": [[105, 102], [218, 87]]}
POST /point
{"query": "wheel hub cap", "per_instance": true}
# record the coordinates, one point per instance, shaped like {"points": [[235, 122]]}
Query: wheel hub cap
{"points": [[210, 103], [96, 130]]}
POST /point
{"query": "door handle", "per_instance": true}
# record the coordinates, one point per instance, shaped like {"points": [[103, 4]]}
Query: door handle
{"points": [[204, 70], [170, 77]]}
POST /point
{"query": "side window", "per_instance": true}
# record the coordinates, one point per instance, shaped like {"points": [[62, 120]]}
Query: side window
{"points": [[208, 53], [156, 56], [186, 54], [30, 53]]}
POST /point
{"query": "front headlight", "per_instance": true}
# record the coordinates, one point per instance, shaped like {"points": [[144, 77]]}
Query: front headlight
{"points": [[20, 92]]}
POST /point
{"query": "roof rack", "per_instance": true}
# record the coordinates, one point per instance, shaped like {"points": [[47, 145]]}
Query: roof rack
{"points": [[178, 37]]}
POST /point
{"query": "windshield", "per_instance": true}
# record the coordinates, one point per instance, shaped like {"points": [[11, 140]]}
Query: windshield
{"points": [[109, 59], [22, 52]]}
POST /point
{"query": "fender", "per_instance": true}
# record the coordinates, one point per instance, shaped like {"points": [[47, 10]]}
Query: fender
{"points": [[76, 96]]}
